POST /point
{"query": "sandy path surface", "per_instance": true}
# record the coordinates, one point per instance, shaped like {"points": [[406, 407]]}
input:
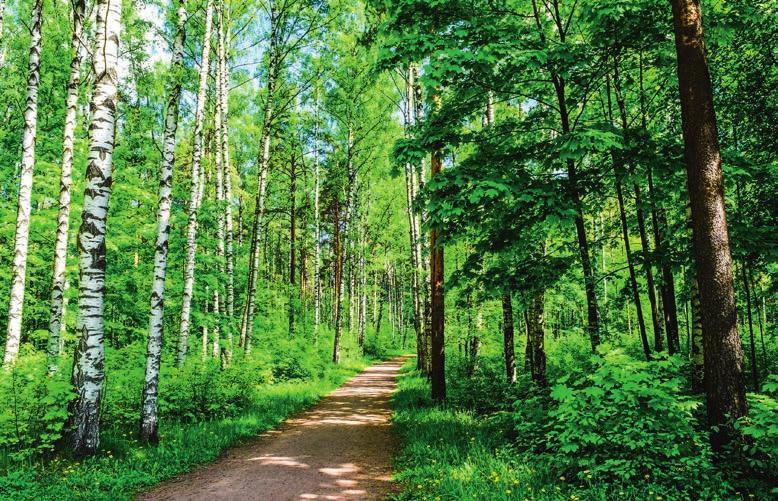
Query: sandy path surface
{"points": [[339, 449]]}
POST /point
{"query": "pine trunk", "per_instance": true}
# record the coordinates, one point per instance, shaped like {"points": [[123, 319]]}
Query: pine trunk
{"points": [[724, 385]]}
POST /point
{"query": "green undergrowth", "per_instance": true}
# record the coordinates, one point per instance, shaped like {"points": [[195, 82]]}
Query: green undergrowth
{"points": [[624, 429], [125, 467]]}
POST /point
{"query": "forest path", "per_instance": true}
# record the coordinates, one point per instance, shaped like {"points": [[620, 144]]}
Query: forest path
{"points": [[340, 449]]}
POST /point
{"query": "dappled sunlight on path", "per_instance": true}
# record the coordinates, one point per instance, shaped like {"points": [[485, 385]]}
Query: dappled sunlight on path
{"points": [[341, 449]]}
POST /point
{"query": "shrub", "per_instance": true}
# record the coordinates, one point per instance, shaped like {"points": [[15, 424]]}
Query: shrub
{"points": [[626, 422], [760, 428], [34, 411]]}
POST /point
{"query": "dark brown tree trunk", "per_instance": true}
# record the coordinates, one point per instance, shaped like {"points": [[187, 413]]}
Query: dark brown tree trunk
{"points": [[507, 331], [437, 333], [667, 287], [752, 343], [724, 385]]}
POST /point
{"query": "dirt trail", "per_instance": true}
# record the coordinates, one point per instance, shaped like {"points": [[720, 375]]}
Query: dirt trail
{"points": [[340, 449]]}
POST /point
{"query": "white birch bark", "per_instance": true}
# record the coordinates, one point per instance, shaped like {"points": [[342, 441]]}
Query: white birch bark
{"points": [[149, 417], [195, 196], [66, 181], [223, 94], [21, 240], [88, 369]]}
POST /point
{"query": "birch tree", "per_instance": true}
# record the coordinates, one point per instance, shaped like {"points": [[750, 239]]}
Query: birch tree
{"points": [[21, 240], [194, 199], [66, 180], [149, 418], [88, 369]]}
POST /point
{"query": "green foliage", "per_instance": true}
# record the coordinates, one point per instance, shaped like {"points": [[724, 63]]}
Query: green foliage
{"points": [[627, 421], [34, 408], [760, 428]]}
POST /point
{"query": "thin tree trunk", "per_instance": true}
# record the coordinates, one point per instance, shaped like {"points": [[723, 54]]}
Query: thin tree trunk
{"points": [[66, 180], [437, 303], [724, 385], [292, 246], [337, 292], [593, 315], [21, 240], [247, 328], [536, 328], [507, 330], [88, 369], [149, 417], [749, 316], [223, 95], [317, 227], [656, 323], [413, 228], [194, 202], [362, 297]]}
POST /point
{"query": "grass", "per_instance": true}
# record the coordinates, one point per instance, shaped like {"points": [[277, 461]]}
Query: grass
{"points": [[126, 467]]}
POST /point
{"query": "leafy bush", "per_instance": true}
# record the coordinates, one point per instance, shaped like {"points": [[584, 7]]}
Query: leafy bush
{"points": [[627, 421], [34, 410], [205, 390], [760, 428]]}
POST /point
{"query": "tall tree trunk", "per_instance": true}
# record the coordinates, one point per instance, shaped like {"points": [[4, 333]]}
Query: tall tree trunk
{"points": [[337, 292], [292, 246], [21, 240], [659, 223], [194, 202], [437, 303], [724, 385], [223, 96], [149, 417], [362, 294], [536, 330], [656, 323], [749, 316], [88, 369], [558, 81], [413, 227], [66, 180], [507, 330], [247, 327], [317, 227]]}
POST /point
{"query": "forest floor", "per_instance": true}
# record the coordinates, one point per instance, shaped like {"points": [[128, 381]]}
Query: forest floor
{"points": [[340, 449]]}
